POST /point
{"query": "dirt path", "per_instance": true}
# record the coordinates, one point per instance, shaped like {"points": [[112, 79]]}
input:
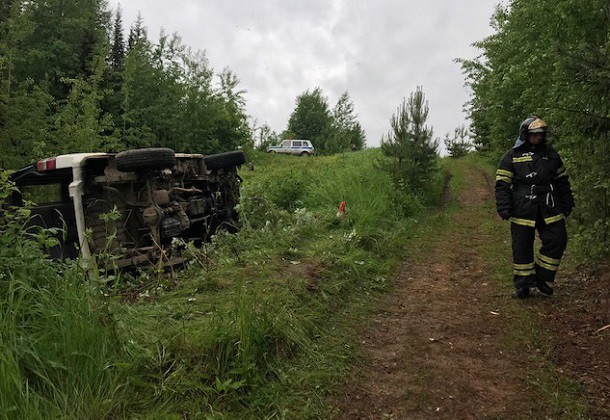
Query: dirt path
{"points": [[438, 348], [578, 317]]}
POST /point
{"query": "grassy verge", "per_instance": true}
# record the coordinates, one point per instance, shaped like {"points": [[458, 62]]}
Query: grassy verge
{"points": [[257, 326], [60, 354], [260, 325]]}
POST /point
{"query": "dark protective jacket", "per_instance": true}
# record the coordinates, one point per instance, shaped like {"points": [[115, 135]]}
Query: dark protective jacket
{"points": [[532, 182]]}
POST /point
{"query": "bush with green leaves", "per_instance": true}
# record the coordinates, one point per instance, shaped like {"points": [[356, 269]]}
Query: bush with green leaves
{"points": [[551, 58]]}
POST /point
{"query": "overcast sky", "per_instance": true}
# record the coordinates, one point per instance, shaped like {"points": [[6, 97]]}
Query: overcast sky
{"points": [[379, 51]]}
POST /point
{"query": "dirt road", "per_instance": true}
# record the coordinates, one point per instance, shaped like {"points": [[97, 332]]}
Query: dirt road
{"points": [[439, 347]]}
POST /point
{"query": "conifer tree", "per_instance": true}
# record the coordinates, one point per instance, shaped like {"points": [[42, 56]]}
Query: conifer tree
{"points": [[346, 133], [459, 145], [117, 53], [409, 143], [137, 32]]}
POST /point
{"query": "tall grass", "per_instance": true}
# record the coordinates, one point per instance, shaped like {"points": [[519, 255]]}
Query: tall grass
{"points": [[257, 326], [357, 180], [60, 357], [320, 184]]}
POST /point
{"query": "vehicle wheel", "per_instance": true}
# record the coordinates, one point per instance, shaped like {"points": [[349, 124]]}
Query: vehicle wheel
{"points": [[273, 152], [138, 160], [225, 160], [304, 154]]}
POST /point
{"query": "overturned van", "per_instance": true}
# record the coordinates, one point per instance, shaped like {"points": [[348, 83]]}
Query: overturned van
{"points": [[132, 204]]}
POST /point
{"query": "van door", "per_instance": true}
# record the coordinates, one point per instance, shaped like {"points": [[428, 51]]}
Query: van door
{"points": [[296, 147], [53, 209]]}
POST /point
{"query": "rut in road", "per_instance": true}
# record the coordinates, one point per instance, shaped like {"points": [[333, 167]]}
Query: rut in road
{"points": [[436, 349]]}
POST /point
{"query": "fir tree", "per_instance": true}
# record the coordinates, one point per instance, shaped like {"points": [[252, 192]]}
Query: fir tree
{"points": [[409, 143]]}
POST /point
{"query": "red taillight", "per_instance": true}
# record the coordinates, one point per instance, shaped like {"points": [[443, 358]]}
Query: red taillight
{"points": [[46, 164]]}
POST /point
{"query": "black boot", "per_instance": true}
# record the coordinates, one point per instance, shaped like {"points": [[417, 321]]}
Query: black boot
{"points": [[544, 288], [521, 293]]}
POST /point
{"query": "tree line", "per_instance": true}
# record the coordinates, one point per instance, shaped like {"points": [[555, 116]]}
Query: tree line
{"points": [[330, 130], [551, 58], [72, 80]]}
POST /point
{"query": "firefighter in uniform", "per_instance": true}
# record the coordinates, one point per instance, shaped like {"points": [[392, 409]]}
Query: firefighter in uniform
{"points": [[533, 192]]}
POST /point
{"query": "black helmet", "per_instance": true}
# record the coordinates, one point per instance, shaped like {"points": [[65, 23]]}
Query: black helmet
{"points": [[532, 125]]}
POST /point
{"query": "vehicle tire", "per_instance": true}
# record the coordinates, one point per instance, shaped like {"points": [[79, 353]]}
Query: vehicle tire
{"points": [[273, 152], [225, 160], [305, 154], [139, 160]]}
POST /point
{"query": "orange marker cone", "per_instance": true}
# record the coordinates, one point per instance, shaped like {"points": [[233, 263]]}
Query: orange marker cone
{"points": [[341, 212]]}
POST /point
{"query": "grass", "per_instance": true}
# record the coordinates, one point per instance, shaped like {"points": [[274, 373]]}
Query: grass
{"points": [[60, 354], [260, 325], [262, 328], [257, 326]]}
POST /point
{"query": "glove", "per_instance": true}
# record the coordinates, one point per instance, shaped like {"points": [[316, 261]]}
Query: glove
{"points": [[504, 215]]}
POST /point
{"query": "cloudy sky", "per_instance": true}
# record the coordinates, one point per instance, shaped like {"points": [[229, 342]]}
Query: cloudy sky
{"points": [[379, 51]]}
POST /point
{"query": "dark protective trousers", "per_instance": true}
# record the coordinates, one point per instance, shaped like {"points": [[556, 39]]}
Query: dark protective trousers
{"points": [[528, 269]]}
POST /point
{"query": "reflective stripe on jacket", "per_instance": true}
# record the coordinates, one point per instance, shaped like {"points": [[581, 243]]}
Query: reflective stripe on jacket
{"points": [[532, 178]]}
